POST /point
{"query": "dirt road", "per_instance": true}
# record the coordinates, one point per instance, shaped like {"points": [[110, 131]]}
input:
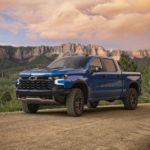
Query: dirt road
{"points": [[105, 128]]}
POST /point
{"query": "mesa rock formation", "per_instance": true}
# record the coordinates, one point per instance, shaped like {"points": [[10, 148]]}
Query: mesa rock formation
{"points": [[30, 53]]}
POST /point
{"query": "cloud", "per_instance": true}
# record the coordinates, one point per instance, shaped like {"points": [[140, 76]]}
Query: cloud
{"points": [[12, 27], [111, 8], [86, 19], [126, 24], [3, 42]]}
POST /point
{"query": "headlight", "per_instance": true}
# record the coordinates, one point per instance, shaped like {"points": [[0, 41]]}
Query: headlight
{"points": [[60, 77], [17, 82], [57, 77], [59, 80]]}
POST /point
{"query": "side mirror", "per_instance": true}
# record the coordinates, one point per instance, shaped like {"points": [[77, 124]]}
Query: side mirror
{"points": [[93, 69]]}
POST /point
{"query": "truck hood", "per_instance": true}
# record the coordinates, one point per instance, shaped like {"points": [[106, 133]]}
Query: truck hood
{"points": [[50, 72]]}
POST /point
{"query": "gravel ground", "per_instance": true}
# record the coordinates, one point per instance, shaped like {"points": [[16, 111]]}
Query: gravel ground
{"points": [[104, 128]]}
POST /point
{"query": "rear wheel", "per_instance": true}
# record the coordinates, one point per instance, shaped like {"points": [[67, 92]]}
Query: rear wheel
{"points": [[92, 104], [131, 99], [75, 102], [30, 108]]}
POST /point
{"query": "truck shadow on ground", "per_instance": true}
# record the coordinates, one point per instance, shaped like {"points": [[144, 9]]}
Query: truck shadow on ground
{"points": [[98, 111]]}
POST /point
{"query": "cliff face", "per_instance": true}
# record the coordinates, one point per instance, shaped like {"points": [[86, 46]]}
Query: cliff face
{"points": [[21, 53], [134, 53], [29, 53]]}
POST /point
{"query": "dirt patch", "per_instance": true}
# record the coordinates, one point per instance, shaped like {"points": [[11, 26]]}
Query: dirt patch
{"points": [[104, 128]]}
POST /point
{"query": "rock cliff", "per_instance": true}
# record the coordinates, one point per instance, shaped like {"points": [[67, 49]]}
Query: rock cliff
{"points": [[30, 53]]}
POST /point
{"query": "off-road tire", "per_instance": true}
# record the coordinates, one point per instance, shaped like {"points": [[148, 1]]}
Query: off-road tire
{"points": [[92, 104], [30, 108], [131, 99], [75, 102]]}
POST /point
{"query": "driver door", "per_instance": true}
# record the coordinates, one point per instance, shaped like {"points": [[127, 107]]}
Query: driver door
{"points": [[96, 81]]}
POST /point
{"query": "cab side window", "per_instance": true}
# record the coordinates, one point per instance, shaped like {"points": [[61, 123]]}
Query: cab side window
{"points": [[96, 65], [108, 65]]}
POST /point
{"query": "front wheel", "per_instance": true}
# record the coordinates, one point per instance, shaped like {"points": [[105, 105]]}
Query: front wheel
{"points": [[131, 99], [30, 108], [75, 102]]}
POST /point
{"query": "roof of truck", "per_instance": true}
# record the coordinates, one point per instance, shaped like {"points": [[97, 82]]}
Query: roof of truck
{"points": [[89, 56]]}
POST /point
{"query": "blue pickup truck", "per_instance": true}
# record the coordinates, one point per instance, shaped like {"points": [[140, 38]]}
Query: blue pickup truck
{"points": [[76, 81]]}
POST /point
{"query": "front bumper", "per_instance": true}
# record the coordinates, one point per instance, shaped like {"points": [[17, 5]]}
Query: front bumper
{"points": [[40, 96]]}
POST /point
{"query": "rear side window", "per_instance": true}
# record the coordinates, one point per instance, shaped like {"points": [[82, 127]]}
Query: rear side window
{"points": [[108, 65]]}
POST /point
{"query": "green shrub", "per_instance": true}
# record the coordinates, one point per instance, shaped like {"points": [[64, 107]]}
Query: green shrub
{"points": [[13, 105], [127, 63], [6, 97]]}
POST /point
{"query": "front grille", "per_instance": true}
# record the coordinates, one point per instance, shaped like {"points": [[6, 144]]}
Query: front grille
{"points": [[38, 84]]}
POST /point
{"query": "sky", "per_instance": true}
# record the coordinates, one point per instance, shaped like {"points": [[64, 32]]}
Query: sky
{"points": [[114, 24]]}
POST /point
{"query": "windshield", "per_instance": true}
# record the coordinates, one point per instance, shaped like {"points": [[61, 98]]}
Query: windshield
{"points": [[68, 62]]}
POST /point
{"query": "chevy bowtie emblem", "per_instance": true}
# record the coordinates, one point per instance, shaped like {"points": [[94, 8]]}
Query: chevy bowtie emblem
{"points": [[33, 78]]}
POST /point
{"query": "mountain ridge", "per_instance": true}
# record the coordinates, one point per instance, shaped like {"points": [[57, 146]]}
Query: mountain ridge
{"points": [[30, 53]]}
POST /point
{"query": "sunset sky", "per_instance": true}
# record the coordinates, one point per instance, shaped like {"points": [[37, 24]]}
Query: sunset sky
{"points": [[114, 24]]}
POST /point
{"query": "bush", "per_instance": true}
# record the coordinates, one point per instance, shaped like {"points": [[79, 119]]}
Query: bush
{"points": [[13, 105], [6, 97], [127, 63]]}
